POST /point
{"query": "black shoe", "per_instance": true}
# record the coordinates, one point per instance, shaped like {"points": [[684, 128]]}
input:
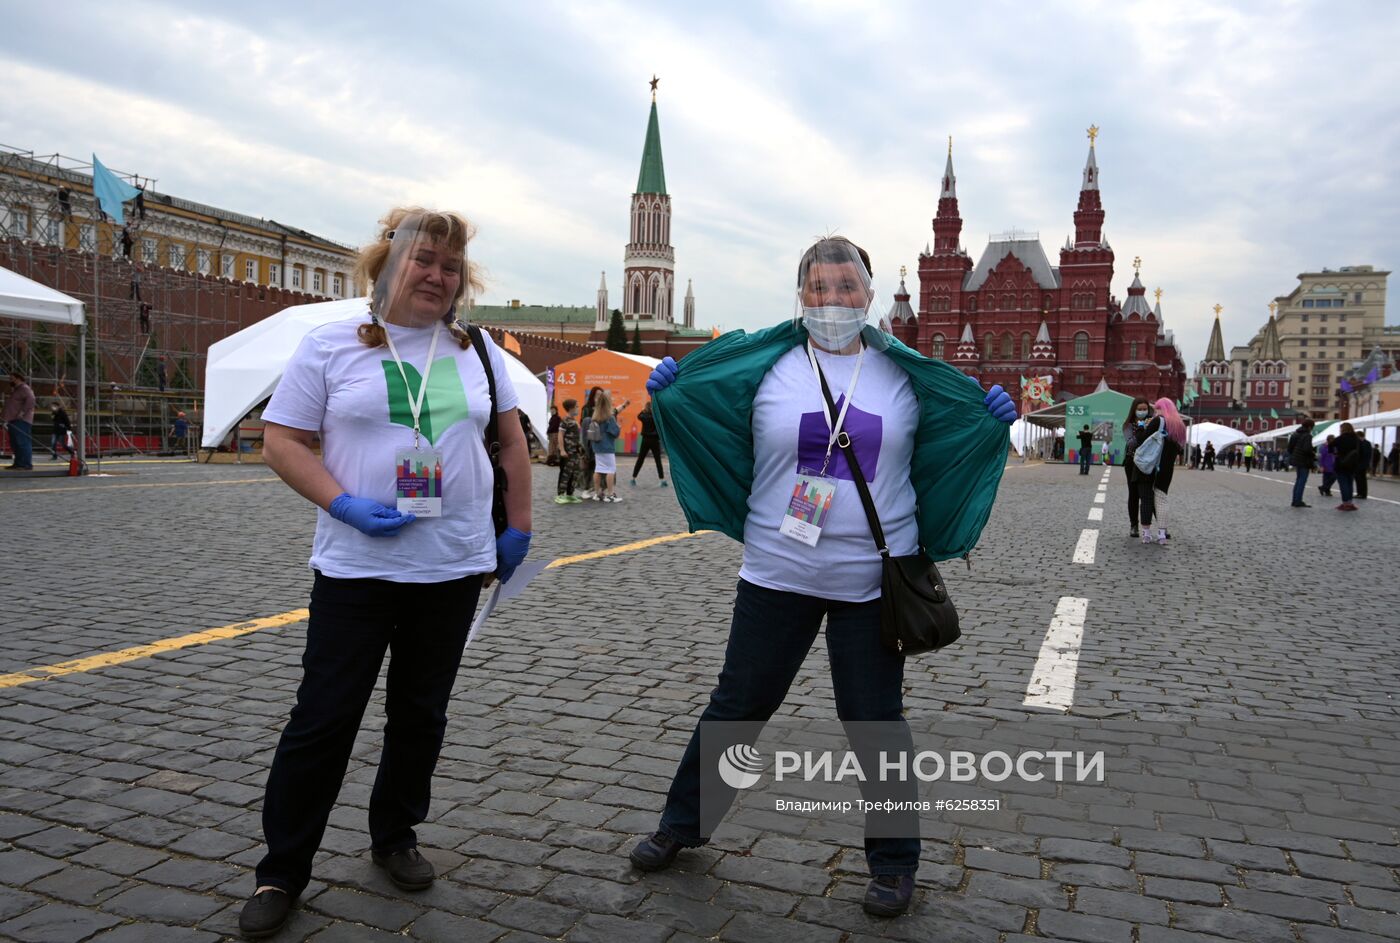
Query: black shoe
{"points": [[655, 852], [264, 914], [1134, 532], [889, 895], [1300, 504], [408, 869]]}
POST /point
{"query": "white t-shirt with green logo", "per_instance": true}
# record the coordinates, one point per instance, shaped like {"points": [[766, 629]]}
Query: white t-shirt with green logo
{"points": [[354, 397]]}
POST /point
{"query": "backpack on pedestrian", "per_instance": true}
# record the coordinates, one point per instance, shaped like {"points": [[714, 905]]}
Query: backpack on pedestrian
{"points": [[1148, 455]]}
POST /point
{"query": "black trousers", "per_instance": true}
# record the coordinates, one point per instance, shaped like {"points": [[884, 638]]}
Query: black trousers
{"points": [[1141, 503], [353, 623], [1361, 482], [652, 445]]}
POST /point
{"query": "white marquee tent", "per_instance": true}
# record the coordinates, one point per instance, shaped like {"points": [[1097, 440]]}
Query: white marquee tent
{"points": [[27, 300], [1378, 428], [1220, 436], [244, 368]]}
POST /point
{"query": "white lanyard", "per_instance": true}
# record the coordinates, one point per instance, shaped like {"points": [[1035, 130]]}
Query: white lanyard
{"points": [[835, 426], [415, 406]]}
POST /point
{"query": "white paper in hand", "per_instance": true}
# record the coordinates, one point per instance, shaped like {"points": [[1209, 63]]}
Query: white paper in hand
{"points": [[521, 578]]}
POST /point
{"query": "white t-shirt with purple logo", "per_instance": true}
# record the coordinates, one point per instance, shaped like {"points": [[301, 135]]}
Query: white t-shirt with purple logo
{"points": [[355, 397], [790, 432]]}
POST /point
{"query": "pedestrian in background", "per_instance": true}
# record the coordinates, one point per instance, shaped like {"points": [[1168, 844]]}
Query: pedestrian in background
{"points": [[552, 433], [1393, 460], [18, 417], [603, 433], [1349, 458], [568, 445], [650, 444], [1327, 461], [1209, 456], [588, 463], [1136, 428], [1172, 447], [179, 433], [1303, 456], [1249, 456], [1086, 449], [62, 426], [1363, 464]]}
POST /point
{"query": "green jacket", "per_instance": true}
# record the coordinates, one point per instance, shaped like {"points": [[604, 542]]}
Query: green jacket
{"points": [[706, 425]]}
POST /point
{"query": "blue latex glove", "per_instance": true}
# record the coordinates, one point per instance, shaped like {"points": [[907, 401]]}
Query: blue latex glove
{"points": [[511, 548], [664, 374], [1000, 404], [369, 517]]}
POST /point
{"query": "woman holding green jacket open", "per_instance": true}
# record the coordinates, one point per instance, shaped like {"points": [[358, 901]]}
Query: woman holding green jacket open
{"points": [[752, 440]]}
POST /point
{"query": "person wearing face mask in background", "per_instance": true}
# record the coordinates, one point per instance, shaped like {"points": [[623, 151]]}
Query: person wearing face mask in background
{"points": [[401, 399], [1136, 429], [752, 445]]}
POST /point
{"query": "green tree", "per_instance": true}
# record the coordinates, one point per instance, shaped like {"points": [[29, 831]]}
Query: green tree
{"points": [[617, 334], [637, 338]]}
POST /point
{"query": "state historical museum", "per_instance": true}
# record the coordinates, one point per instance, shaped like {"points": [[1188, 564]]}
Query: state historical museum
{"points": [[1013, 315]]}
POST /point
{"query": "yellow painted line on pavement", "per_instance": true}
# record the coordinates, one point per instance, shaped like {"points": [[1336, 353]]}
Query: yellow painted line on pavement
{"points": [[123, 655], [625, 548], [162, 484]]}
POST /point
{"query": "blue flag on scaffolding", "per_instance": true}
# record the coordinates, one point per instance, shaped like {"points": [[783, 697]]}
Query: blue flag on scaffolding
{"points": [[110, 191]]}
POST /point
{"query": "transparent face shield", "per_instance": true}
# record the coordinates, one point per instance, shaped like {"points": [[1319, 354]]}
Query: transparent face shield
{"points": [[423, 275], [836, 299]]}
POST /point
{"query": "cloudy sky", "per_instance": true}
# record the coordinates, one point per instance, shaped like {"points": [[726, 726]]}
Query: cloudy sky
{"points": [[1241, 143]]}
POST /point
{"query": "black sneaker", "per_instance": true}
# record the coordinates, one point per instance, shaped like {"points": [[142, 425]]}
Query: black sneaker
{"points": [[408, 869], [1301, 504], [264, 914], [655, 852], [1134, 532], [889, 895]]}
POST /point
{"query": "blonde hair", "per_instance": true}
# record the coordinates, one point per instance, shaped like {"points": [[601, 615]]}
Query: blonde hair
{"points": [[602, 407], [451, 230]]}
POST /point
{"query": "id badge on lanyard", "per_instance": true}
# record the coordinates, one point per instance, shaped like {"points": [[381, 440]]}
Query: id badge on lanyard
{"points": [[814, 491], [418, 471]]}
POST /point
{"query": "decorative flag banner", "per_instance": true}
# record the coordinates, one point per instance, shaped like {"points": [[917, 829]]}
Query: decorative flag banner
{"points": [[1374, 375], [1346, 387], [1273, 413], [714, 332], [510, 343], [111, 192]]}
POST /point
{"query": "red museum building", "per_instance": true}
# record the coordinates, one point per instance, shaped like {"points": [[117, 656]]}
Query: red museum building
{"points": [[1014, 315]]}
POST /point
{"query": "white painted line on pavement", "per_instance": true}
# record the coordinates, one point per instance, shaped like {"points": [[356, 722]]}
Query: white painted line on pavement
{"points": [[1088, 544], [1095, 514], [1052, 681], [1098, 498]]}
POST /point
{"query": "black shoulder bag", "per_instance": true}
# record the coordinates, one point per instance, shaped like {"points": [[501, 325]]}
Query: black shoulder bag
{"points": [[493, 435], [916, 614]]}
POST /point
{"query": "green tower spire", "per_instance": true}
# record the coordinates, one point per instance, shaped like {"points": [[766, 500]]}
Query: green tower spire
{"points": [[652, 179]]}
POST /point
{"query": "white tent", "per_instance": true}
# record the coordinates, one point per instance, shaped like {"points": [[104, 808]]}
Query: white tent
{"points": [[1220, 436], [1378, 428], [1270, 435], [25, 299], [244, 368]]}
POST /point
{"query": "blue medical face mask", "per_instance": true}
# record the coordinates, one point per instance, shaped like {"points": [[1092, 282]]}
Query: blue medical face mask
{"points": [[1142, 414], [832, 326]]}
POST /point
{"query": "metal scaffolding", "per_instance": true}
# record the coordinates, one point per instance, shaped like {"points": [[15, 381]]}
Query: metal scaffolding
{"points": [[149, 327]]}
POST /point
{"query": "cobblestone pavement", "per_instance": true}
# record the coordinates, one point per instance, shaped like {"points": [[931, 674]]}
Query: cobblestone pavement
{"points": [[1243, 678]]}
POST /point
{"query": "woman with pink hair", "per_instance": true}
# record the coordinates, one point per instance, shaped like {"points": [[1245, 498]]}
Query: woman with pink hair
{"points": [[1171, 450]]}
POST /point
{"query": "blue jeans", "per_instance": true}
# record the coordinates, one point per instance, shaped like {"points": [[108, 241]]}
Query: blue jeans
{"points": [[1300, 481], [769, 638], [22, 442], [353, 623], [1084, 458], [1348, 482]]}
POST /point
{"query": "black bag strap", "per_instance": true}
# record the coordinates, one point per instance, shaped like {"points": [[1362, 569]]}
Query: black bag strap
{"points": [[493, 430], [844, 441]]}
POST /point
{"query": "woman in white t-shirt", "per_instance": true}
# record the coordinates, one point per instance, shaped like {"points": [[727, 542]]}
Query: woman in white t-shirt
{"points": [[809, 553], [400, 399]]}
